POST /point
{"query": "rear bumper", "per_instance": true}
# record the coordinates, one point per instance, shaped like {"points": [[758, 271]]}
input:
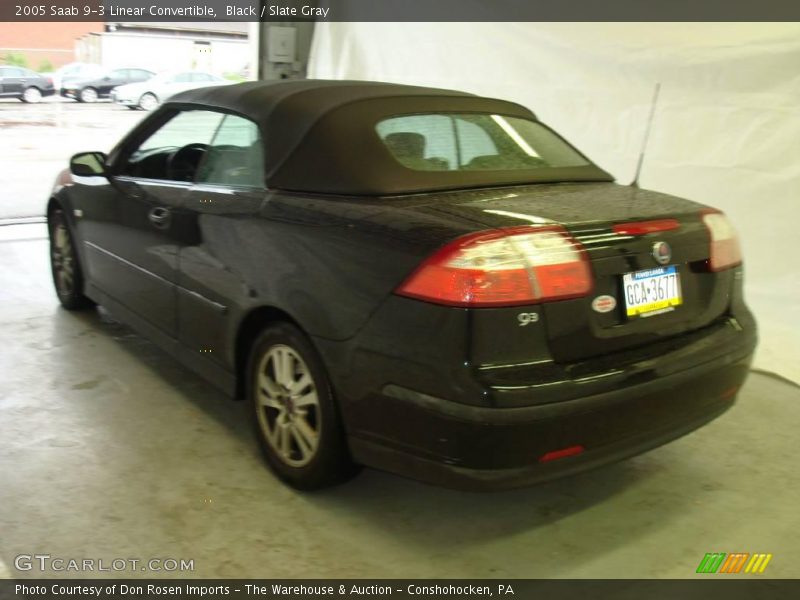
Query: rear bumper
{"points": [[484, 448]]}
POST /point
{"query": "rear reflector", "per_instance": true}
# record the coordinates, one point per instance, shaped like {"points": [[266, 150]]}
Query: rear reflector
{"points": [[563, 453], [725, 251], [503, 267], [645, 227]]}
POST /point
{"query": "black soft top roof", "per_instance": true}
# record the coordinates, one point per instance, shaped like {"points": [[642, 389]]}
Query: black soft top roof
{"points": [[319, 136]]}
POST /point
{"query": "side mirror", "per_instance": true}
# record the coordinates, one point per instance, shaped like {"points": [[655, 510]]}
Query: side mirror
{"points": [[88, 164]]}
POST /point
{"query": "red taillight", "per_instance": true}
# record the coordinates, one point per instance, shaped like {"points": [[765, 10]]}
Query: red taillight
{"points": [[644, 227], [503, 267], [563, 453], [725, 251]]}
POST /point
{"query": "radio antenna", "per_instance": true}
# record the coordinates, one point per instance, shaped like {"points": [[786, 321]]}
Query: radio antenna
{"points": [[646, 135]]}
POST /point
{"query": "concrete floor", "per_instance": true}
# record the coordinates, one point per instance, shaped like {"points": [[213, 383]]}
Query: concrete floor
{"points": [[109, 449]]}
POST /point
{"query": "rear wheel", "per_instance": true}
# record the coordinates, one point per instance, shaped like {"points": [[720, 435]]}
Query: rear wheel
{"points": [[294, 411], [31, 95], [88, 95], [65, 266], [148, 102]]}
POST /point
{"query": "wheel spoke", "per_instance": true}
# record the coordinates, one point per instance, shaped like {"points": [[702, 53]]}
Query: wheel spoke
{"points": [[264, 399], [288, 369], [296, 387], [281, 365], [61, 238], [267, 386], [285, 440], [309, 399], [302, 445], [305, 435]]}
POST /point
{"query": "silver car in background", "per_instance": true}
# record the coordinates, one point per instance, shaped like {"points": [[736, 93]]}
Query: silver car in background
{"points": [[149, 94]]}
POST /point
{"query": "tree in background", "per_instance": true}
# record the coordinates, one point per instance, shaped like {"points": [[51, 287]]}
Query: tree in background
{"points": [[46, 66], [17, 60]]}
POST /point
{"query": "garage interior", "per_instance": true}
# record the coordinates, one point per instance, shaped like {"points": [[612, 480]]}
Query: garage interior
{"points": [[109, 448]]}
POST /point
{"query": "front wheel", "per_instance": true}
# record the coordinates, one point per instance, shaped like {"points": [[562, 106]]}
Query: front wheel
{"points": [[294, 411], [148, 102], [64, 264], [31, 95]]}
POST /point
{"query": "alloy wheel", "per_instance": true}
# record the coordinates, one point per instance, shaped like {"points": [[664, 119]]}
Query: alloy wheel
{"points": [[148, 102], [288, 406], [63, 260], [32, 95]]}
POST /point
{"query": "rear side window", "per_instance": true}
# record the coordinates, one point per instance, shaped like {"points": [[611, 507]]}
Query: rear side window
{"points": [[474, 142], [140, 74], [235, 156], [13, 72]]}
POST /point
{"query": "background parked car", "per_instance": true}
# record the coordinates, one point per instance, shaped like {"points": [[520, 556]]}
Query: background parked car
{"points": [[74, 70], [149, 94], [27, 85], [90, 89]]}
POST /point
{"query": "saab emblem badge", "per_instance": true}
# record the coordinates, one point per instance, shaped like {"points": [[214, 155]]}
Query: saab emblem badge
{"points": [[662, 253], [604, 304]]}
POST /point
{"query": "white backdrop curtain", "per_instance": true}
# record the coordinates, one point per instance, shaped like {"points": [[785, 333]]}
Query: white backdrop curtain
{"points": [[726, 129]]}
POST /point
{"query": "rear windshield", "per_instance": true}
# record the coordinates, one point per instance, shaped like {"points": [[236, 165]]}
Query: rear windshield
{"points": [[474, 142]]}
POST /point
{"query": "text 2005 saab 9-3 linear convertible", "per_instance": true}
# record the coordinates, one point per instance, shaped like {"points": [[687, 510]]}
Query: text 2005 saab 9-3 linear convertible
{"points": [[419, 280]]}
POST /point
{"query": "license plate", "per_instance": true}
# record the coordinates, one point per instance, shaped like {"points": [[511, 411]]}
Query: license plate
{"points": [[651, 292]]}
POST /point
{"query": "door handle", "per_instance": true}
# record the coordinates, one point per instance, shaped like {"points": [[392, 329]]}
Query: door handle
{"points": [[159, 216]]}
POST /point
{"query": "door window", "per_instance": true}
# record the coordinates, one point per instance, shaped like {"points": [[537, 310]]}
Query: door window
{"points": [[175, 150], [236, 156]]}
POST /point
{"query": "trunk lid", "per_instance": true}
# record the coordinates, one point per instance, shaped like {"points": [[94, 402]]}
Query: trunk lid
{"points": [[576, 329]]}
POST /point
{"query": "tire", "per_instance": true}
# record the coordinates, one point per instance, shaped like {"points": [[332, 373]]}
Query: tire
{"points": [[88, 95], [31, 95], [148, 101], [298, 427], [65, 265]]}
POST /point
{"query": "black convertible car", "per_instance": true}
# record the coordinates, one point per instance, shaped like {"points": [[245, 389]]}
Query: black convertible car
{"points": [[91, 89], [419, 280]]}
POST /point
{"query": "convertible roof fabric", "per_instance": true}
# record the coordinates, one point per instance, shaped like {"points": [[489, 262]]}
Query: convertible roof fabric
{"points": [[319, 136]]}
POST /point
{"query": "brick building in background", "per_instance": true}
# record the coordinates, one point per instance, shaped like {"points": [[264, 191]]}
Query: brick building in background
{"points": [[42, 43]]}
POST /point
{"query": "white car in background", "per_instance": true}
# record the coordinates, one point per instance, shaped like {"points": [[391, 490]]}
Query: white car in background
{"points": [[72, 71], [147, 95]]}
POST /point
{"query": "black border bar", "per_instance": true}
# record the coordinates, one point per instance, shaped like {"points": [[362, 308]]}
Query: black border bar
{"points": [[749, 587], [121, 11]]}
